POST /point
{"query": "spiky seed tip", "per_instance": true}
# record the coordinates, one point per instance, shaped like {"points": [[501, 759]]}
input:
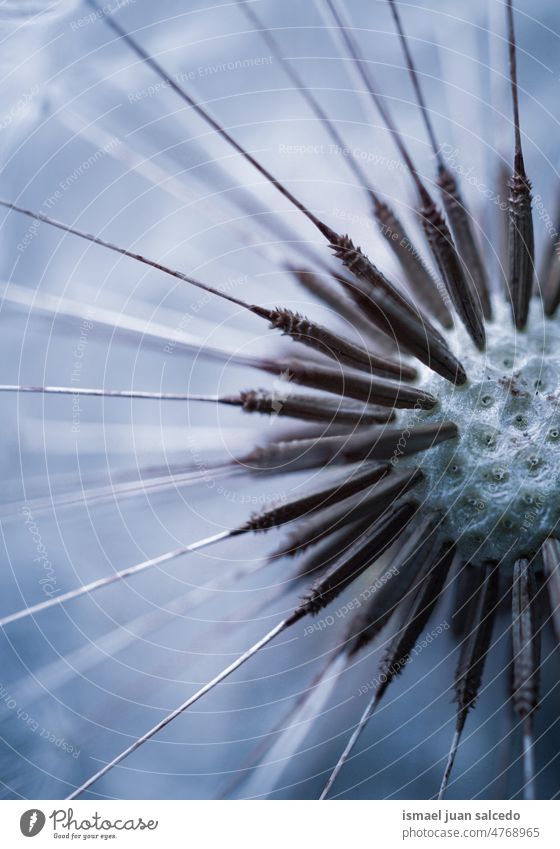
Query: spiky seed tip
{"points": [[401, 578], [521, 243], [399, 324], [420, 278], [366, 506], [365, 551], [462, 229], [314, 408], [326, 497], [350, 384], [452, 271], [335, 346], [521, 251]]}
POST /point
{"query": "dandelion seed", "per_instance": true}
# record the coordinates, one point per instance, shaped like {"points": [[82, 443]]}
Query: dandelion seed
{"points": [[416, 615], [521, 244], [437, 232], [473, 656], [453, 202], [389, 225]]}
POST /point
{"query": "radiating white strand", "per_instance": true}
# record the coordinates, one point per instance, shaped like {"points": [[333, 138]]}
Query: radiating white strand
{"points": [[107, 393], [283, 747], [111, 579], [163, 723], [111, 320], [85, 658]]}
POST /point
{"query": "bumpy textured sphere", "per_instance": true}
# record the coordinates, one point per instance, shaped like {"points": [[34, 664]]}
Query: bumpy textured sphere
{"points": [[499, 482]]}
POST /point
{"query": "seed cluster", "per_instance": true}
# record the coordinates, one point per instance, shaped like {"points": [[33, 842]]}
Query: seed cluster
{"points": [[498, 483]]}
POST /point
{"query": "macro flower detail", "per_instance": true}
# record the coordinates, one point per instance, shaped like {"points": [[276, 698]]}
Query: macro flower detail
{"points": [[415, 417]]}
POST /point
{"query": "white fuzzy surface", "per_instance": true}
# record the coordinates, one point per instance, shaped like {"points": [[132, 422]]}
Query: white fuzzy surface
{"points": [[498, 483]]}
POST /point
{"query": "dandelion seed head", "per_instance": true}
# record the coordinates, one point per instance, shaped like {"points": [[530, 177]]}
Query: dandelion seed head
{"points": [[497, 483], [428, 431]]}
